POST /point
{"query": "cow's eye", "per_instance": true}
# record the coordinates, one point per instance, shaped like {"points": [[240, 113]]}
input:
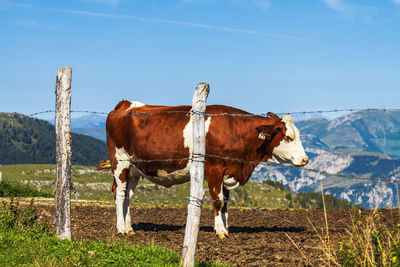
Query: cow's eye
{"points": [[288, 139]]}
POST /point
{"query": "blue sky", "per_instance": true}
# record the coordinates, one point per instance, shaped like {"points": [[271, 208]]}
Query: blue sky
{"points": [[258, 55]]}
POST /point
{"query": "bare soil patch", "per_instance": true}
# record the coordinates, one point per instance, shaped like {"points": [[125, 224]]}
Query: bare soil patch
{"points": [[255, 239]]}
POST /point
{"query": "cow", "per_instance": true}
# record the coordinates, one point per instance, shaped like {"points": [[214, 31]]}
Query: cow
{"points": [[155, 142]]}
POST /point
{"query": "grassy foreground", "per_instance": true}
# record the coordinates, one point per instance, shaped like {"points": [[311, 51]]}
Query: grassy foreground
{"points": [[26, 242]]}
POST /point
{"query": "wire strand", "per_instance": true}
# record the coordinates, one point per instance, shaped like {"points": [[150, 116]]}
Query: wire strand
{"points": [[221, 114]]}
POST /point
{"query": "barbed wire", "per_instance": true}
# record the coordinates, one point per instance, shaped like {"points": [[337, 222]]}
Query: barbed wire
{"points": [[302, 168], [40, 112], [221, 114], [331, 174], [339, 110], [199, 158]]}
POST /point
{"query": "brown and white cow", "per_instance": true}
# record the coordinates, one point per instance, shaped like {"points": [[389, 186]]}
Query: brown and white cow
{"points": [[143, 132]]}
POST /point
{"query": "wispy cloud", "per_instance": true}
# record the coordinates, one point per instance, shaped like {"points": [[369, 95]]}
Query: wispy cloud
{"points": [[26, 23], [6, 3], [107, 2], [397, 2], [337, 5], [178, 22], [351, 11], [263, 4], [33, 24]]}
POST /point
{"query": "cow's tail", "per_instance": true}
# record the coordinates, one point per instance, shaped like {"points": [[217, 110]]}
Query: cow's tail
{"points": [[104, 165]]}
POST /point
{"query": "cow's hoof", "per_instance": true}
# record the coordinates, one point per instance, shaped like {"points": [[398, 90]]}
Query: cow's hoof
{"points": [[222, 236], [131, 233], [124, 232]]}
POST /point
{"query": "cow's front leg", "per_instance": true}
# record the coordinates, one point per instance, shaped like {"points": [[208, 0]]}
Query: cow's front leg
{"points": [[132, 182], [221, 217], [224, 210]]}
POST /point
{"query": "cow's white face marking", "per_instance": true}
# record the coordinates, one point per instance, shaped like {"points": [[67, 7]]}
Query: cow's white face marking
{"points": [[136, 104], [290, 150]]}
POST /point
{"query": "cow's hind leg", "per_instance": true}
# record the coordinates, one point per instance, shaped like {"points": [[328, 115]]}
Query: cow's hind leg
{"points": [[219, 196]]}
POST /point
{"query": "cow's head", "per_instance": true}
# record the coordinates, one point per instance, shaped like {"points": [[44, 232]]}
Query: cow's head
{"points": [[282, 142]]}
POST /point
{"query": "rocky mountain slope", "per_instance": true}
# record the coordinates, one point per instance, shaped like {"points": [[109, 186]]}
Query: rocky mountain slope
{"points": [[357, 145], [369, 131]]}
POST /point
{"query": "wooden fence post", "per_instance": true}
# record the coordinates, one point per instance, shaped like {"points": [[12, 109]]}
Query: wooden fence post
{"points": [[196, 174], [63, 153]]}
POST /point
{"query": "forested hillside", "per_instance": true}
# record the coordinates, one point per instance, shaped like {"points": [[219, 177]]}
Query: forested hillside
{"points": [[27, 140]]}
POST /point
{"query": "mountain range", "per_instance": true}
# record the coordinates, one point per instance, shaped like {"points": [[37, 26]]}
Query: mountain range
{"points": [[93, 125], [369, 131]]}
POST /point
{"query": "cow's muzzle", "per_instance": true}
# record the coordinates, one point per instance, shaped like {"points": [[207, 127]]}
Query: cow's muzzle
{"points": [[303, 162]]}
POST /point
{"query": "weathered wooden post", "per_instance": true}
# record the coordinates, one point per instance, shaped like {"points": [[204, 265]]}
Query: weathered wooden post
{"points": [[196, 174], [63, 153]]}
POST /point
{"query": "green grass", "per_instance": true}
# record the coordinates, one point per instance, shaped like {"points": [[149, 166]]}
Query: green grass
{"points": [[87, 183], [370, 242], [26, 242], [8, 190]]}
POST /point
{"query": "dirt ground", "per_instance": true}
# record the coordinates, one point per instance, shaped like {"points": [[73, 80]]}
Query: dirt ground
{"points": [[255, 239]]}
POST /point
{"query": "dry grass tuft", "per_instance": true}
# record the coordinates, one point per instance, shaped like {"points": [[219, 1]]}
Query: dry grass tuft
{"points": [[369, 242]]}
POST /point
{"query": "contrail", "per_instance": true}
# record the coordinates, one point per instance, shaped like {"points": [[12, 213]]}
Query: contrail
{"points": [[178, 22]]}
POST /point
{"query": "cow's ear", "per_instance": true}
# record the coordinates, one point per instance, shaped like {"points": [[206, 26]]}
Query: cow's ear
{"points": [[272, 115], [265, 131], [287, 119]]}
